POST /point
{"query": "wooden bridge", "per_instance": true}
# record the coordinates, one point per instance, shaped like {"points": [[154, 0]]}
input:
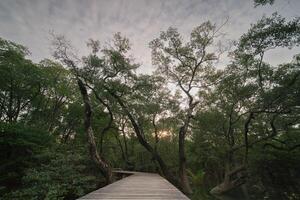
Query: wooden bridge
{"points": [[137, 185]]}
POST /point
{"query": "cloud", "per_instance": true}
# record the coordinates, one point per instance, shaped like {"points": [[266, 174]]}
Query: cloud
{"points": [[28, 22]]}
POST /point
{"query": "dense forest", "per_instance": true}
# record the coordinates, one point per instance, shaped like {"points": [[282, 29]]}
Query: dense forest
{"points": [[68, 121]]}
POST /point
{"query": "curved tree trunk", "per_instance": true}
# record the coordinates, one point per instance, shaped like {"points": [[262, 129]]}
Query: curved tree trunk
{"points": [[142, 140], [232, 180], [103, 166]]}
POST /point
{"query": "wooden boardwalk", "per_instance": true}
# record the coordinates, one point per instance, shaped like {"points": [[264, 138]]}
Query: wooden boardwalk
{"points": [[138, 186]]}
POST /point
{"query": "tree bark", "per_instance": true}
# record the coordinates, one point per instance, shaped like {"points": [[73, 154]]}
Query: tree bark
{"points": [[184, 181], [103, 166], [232, 180], [246, 130], [155, 132]]}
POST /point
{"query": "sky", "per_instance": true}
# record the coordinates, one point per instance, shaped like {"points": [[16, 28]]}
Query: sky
{"points": [[29, 22]]}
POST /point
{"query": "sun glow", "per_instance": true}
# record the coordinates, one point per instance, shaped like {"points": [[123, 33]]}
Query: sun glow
{"points": [[163, 134]]}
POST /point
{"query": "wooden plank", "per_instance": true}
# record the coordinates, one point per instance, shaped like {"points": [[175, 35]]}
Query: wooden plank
{"points": [[137, 186], [124, 172]]}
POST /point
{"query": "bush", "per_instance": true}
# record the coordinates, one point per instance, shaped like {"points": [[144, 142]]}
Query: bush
{"points": [[63, 174]]}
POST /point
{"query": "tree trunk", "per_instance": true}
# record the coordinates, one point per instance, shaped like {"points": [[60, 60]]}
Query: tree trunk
{"points": [[124, 140], [142, 140], [184, 181], [10, 105], [123, 152], [103, 166], [232, 180]]}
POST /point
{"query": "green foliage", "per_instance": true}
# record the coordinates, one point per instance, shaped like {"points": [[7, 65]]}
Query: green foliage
{"points": [[197, 180], [21, 81], [269, 33], [274, 167], [62, 173], [18, 146]]}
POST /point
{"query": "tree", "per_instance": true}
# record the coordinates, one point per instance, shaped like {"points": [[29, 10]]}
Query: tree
{"points": [[248, 92], [62, 53], [18, 89], [188, 66]]}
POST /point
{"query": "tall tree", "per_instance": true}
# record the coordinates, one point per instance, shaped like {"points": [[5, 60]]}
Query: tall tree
{"points": [[188, 66], [63, 52], [21, 81], [250, 91]]}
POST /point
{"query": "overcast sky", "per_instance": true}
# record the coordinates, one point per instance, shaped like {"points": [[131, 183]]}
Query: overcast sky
{"points": [[28, 22]]}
